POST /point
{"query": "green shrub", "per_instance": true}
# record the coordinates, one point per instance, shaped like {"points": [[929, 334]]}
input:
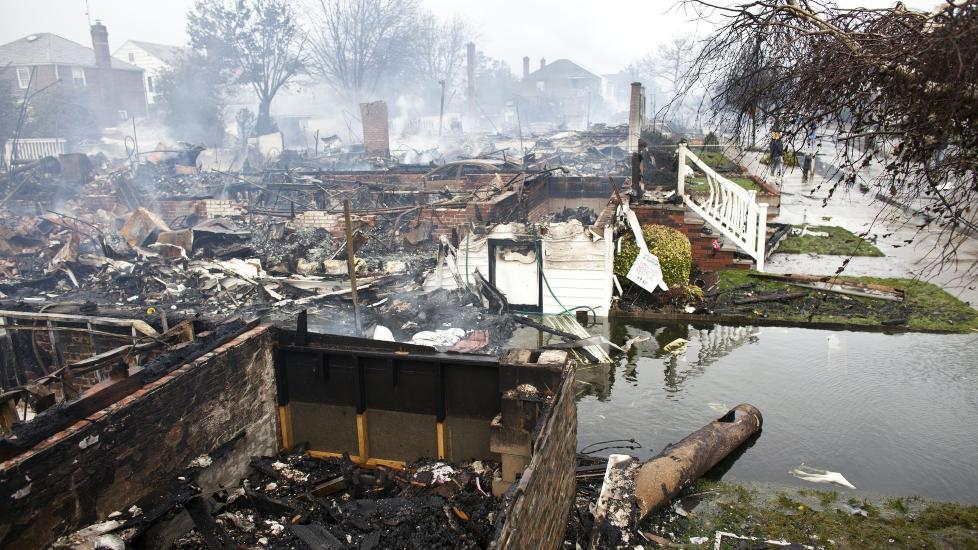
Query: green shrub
{"points": [[671, 246]]}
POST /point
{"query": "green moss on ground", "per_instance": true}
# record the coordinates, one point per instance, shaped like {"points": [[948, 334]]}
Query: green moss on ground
{"points": [[717, 160], [699, 184], [817, 518], [840, 242], [926, 307]]}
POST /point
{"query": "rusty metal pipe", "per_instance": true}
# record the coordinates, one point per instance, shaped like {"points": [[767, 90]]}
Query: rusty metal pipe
{"points": [[662, 478]]}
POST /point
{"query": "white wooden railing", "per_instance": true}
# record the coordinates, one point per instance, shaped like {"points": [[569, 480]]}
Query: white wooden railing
{"points": [[727, 207], [31, 149]]}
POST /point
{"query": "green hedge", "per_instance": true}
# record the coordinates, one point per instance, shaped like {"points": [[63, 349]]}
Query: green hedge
{"points": [[671, 246]]}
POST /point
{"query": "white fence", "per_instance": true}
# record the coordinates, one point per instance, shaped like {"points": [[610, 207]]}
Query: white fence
{"points": [[21, 150], [727, 207]]}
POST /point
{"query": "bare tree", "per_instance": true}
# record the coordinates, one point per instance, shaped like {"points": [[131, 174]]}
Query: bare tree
{"points": [[443, 54], [358, 43], [668, 65], [259, 40], [895, 78]]}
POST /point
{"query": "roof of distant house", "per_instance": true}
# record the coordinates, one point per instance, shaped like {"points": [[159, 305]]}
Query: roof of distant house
{"points": [[50, 49], [164, 52], [561, 68]]}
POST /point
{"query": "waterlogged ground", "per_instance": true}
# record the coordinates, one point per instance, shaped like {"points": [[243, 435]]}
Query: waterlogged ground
{"points": [[893, 413]]}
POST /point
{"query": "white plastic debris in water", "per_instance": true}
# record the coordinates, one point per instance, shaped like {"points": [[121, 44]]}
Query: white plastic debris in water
{"points": [[635, 340], [88, 441], [815, 475], [201, 461], [698, 540], [135, 510], [274, 526], [271, 486], [438, 338]]}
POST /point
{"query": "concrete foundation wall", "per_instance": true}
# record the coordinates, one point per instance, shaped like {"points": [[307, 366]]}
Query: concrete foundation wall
{"points": [[134, 449]]}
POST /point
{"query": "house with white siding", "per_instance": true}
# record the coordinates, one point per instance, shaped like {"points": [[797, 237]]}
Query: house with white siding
{"points": [[563, 267], [153, 59]]}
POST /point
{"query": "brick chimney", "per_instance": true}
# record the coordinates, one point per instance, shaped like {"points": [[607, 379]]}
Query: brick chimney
{"points": [[543, 62], [100, 43], [108, 105], [526, 66]]}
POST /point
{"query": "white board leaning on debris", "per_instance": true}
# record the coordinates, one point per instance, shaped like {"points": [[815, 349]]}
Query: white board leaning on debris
{"points": [[646, 272]]}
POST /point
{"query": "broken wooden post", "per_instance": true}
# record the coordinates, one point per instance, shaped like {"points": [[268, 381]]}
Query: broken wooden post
{"points": [[351, 266], [664, 476]]}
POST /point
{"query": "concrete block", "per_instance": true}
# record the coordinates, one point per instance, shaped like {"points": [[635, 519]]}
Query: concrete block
{"points": [[512, 441], [513, 466]]}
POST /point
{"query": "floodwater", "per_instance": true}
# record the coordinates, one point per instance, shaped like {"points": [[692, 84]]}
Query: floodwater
{"points": [[895, 414]]}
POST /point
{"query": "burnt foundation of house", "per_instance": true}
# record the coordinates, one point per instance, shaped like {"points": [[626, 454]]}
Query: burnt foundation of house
{"points": [[187, 423]]}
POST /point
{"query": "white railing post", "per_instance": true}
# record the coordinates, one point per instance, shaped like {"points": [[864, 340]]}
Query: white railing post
{"points": [[761, 234], [681, 184]]}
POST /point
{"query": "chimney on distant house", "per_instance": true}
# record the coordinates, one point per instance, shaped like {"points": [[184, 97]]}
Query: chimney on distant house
{"points": [[107, 110], [526, 66], [543, 62], [100, 43]]}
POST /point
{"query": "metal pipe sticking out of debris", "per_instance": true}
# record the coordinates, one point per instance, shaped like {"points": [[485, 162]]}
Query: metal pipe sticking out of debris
{"points": [[351, 266], [664, 476]]}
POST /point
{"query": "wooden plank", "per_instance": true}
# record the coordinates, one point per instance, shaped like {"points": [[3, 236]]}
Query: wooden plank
{"points": [[140, 326], [362, 443]]}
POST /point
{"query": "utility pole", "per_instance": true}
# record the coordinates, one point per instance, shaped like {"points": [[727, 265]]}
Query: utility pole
{"points": [[519, 126], [441, 108]]}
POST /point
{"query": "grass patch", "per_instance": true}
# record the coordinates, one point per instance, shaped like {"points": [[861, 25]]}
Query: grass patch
{"points": [[699, 184], [784, 516], [717, 160], [926, 307], [840, 242]]}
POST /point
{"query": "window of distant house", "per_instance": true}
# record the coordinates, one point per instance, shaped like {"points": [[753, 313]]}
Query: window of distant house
{"points": [[132, 57], [540, 86], [78, 76], [149, 83], [23, 77]]}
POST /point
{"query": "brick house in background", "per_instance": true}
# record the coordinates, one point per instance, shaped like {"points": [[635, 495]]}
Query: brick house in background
{"points": [[40, 60], [153, 59]]}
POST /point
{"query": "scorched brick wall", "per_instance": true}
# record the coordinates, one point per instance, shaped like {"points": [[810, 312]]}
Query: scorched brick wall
{"points": [[135, 449]]}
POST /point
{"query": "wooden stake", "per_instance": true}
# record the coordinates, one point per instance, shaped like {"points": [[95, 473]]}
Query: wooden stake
{"points": [[351, 266]]}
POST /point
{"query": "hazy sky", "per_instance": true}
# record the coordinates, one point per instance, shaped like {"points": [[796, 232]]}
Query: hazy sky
{"points": [[603, 36]]}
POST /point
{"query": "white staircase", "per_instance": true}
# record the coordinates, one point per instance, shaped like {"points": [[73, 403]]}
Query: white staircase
{"points": [[726, 207]]}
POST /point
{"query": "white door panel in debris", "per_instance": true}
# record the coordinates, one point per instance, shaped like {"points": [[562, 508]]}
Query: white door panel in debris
{"points": [[515, 273]]}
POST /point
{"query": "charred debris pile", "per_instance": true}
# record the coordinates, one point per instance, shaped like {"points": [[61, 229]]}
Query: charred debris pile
{"points": [[104, 264], [296, 501]]}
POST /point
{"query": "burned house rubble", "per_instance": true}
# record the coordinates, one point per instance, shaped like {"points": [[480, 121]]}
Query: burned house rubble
{"points": [[207, 349]]}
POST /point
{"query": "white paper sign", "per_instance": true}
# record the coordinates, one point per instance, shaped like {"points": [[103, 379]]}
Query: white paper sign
{"points": [[646, 272]]}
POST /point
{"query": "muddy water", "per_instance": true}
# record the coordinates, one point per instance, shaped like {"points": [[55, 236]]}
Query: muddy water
{"points": [[895, 414]]}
